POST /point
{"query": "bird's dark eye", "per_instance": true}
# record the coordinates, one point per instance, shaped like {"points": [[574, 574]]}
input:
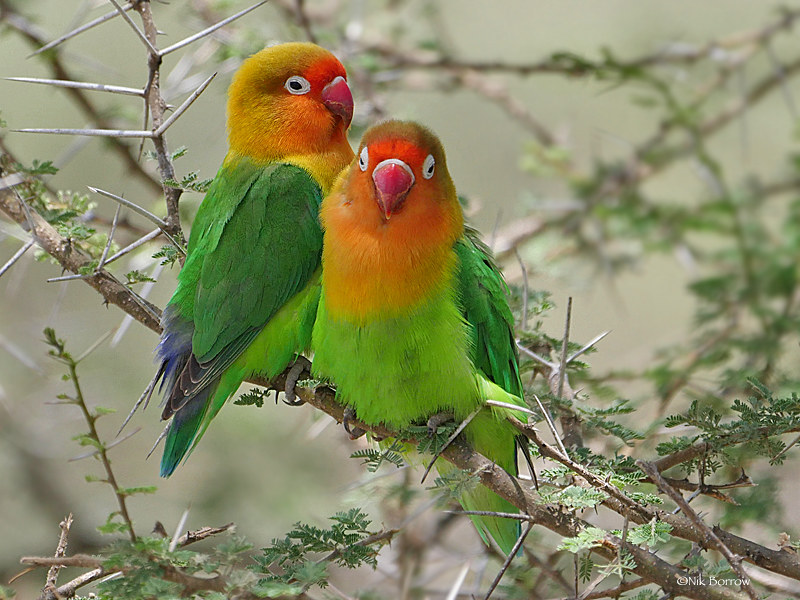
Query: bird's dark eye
{"points": [[363, 159], [428, 166], [297, 85]]}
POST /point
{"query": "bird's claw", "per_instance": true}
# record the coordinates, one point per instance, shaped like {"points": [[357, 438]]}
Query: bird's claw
{"points": [[437, 420], [348, 418], [301, 365]]}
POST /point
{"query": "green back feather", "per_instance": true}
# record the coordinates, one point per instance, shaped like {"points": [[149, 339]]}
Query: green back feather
{"points": [[483, 295], [255, 243]]}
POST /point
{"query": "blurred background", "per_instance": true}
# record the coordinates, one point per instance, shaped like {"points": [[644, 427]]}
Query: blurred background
{"points": [[595, 139]]}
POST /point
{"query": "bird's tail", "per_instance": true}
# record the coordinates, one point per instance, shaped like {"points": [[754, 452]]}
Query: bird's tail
{"points": [[185, 429], [490, 434]]}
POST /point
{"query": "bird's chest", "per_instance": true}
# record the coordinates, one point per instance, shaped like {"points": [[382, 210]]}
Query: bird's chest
{"points": [[402, 369]]}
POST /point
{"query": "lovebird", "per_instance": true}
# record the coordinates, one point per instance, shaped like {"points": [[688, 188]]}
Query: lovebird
{"points": [[248, 291], [413, 322]]}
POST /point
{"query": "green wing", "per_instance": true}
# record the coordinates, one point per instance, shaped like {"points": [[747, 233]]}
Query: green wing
{"points": [[484, 297], [484, 300], [255, 243]]}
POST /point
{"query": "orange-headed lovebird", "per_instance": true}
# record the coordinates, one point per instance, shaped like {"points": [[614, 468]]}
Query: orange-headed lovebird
{"points": [[413, 320], [248, 292]]}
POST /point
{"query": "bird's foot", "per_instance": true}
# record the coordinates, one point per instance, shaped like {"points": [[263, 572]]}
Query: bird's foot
{"points": [[437, 420], [300, 366], [348, 418]]}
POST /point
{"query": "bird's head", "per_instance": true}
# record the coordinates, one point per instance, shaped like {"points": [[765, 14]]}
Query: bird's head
{"points": [[400, 175], [289, 99], [390, 223]]}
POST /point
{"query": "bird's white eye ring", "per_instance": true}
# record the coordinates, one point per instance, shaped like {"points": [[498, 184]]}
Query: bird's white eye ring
{"points": [[363, 159], [297, 85], [428, 166]]}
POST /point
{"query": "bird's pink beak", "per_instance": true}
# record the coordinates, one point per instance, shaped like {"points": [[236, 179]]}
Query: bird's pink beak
{"points": [[393, 179], [337, 98]]}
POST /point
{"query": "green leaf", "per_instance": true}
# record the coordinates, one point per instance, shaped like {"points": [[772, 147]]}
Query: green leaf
{"points": [[574, 497], [651, 534], [255, 397], [585, 567], [590, 537], [136, 276]]}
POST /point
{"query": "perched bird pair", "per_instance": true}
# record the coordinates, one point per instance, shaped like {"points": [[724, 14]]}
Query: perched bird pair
{"points": [[408, 318]]}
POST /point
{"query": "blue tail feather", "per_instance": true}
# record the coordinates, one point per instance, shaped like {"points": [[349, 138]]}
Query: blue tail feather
{"points": [[183, 430]]}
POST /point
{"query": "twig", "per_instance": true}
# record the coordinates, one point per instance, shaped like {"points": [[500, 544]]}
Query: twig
{"points": [[155, 106], [710, 537], [100, 446], [382, 536], [190, 537], [133, 26], [491, 513], [507, 563], [72, 260], [450, 440], [452, 594], [183, 107], [84, 103], [209, 30], [81, 29], [304, 21], [551, 425], [527, 351], [178, 530], [617, 591], [81, 85], [163, 225], [61, 550], [562, 366], [109, 133], [133, 245], [17, 255], [110, 239], [132, 205], [588, 345], [68, 589]]}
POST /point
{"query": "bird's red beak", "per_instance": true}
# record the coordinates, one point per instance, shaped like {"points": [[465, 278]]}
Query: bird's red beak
{"points": [[393, 179], [337, 98]]}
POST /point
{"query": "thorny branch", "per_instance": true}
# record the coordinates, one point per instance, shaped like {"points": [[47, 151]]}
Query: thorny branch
{"points": [[71, 259], [156, 107], [15, 20], [710, 537], [518, 492], [98, 571], [649, 566]]}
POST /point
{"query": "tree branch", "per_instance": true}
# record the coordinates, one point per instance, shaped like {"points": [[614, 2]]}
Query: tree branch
{"points": [[71, 259], [81, 99]]}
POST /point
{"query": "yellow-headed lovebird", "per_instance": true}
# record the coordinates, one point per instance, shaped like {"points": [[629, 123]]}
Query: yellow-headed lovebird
{"points": [[248, 292], [413, 320]]}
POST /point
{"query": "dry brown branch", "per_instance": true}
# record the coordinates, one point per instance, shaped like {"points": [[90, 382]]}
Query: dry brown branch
{"points": [[670, 54], [98, 571], [190, 537], [709, 537], [190, 583], [81, 99], [617, 591], [157, 106], [516, 491], [61, 550], [71, 259], [498, 93], [773, 560]]}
